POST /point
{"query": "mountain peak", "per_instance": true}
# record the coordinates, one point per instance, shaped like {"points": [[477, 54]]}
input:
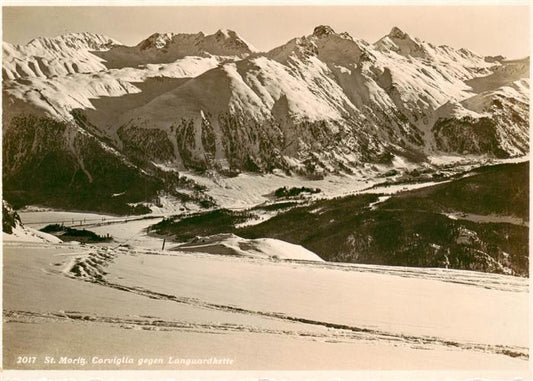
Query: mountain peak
{"points": [[397, 33], [226, 33], [233, 41], [323, 30], [401, 43], [156, 40]]}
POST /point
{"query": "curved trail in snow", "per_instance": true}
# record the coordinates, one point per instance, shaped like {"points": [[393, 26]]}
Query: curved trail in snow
{"points": [[90, 268]]}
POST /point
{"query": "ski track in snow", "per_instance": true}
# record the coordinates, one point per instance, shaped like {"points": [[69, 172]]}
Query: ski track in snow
{"points": [[337, 332], [471, 278], [90, 267]]}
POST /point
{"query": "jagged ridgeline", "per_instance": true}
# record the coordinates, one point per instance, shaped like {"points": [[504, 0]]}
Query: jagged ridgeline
{"points": [[92, 124]]}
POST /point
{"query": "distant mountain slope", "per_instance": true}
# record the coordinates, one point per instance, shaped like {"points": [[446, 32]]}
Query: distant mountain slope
{"points": [[319, 104], [509, 71], [47, 57], [491, 121], [325, 103], [168, 47], [58, 96]]}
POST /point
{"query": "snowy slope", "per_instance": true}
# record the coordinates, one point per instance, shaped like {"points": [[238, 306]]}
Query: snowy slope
{"points": [[58, 96], [509, 71], [230, 244], [26, 234], [58, 56], [15, 231], [260, 313]]}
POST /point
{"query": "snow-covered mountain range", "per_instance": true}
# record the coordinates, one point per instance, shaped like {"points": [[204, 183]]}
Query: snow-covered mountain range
{"points": [[82, 110]]}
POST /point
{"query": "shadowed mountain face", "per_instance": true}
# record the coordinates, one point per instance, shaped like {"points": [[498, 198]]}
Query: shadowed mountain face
{"points": [[83, 112]]}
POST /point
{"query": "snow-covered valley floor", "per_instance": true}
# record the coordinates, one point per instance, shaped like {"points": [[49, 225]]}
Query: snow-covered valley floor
{"points": [[107, 301]]}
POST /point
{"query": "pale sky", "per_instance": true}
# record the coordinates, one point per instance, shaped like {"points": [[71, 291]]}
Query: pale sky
{"points": [[486, 29]]}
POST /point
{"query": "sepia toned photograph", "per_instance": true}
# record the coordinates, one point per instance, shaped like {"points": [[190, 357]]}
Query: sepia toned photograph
{"points": [[268, 187]]}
